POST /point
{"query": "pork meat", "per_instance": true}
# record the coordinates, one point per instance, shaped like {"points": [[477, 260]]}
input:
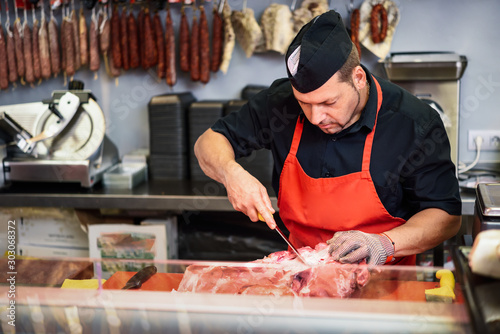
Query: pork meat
{"points": [[279, 274]]}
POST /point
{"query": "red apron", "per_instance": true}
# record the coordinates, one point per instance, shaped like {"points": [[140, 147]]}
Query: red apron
{"points": [[314, 209]]}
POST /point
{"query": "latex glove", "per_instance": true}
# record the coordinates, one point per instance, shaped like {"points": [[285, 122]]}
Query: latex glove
{"points": [[354, 246]]}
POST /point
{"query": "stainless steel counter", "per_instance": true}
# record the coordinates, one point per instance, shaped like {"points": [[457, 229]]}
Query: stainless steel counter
{"points": [[151, 195], [167, 195]]}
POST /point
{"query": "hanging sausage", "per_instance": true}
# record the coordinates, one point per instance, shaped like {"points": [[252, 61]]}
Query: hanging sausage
{"points": [[184, 46], [124, 39], [133, 40], [94, 59], [217, 36], [160, 45], [171, 72], [204, 47], [4, 76], [194, 52], [35, 47]]}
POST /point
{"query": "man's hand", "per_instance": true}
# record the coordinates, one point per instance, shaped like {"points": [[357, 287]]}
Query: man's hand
{"points": [[354, 246], [249, 196]]}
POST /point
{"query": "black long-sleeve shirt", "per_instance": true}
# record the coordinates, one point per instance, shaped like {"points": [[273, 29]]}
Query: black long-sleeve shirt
{"points": [[410, 163]]}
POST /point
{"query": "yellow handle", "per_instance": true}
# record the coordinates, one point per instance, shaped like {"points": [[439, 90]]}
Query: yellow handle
{"points": [[446, 278], [260, 217]]}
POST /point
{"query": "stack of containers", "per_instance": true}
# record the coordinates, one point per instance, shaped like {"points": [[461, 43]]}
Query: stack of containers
{"points": [[202, 115], [168, 136]]}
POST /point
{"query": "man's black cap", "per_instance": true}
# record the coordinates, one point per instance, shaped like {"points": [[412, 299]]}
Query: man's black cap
{"points": [[318, 51]]}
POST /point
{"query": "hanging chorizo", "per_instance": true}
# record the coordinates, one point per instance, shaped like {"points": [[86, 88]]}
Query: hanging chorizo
{"points": [[4, 68], [142, 38], [43, 38], [133, 40], [116, 50], [124, 40], [160, 45], [104, 33], [184, 46], [35, 47], [355, 19], [94, 59], [11, 55], [217, 35], [18, 44], [75, 38], [29, 77], [55, 53], [151, 53], [171, 71], [194, 52], [204, 47], [68, 46], [378, 23]]}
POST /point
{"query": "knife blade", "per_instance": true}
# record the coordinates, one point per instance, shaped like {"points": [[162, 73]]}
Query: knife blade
{"points": [[136, 281], [292, 247]]}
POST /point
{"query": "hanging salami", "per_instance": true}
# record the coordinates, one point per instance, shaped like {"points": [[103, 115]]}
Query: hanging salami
{"points": [[171, 72]]}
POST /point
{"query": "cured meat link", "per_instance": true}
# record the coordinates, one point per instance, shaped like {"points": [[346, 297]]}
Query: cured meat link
{"points": [[194, 51], [124, 39], [171, 72], [76, 40], [95, 61], [28, 54], [378, 23], [64, 51], [150, 52], [104, 33], [55, 53], [217, 31], [355, 18], [35, 46], [135, 58], [45, 65], [11, 56], [184, 46], [116, 50], [160, 45], [18, 43], [204, 47], [142, 38], [4, 68], [69, 46]]}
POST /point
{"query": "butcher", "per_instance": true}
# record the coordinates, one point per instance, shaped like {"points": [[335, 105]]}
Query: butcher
{"points": [[359, 162]]}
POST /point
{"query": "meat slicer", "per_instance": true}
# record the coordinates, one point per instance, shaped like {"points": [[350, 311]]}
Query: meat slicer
{"points": [[58, 140]]}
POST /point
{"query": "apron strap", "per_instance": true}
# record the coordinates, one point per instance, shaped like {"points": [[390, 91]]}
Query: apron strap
{"points": [[297, 134], [369, 139]]}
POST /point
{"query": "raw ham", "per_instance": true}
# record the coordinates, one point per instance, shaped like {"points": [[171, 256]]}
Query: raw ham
{"points": [[280, 274]]}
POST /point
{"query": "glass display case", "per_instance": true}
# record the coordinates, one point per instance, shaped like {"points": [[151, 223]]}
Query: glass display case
{"points": [[71, 296]]}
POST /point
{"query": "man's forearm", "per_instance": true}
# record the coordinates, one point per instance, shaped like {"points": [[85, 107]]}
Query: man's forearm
{"points": [[215, 155], [425, 230]]}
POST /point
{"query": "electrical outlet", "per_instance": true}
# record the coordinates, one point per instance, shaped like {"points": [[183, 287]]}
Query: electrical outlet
{"points": [[491, 140]]}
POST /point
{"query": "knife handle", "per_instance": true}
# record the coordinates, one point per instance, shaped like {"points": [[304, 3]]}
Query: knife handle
{"points": [[261, 218]]}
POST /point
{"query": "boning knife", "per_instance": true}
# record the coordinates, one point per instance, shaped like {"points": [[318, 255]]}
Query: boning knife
{"points": [[277, 229]]}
